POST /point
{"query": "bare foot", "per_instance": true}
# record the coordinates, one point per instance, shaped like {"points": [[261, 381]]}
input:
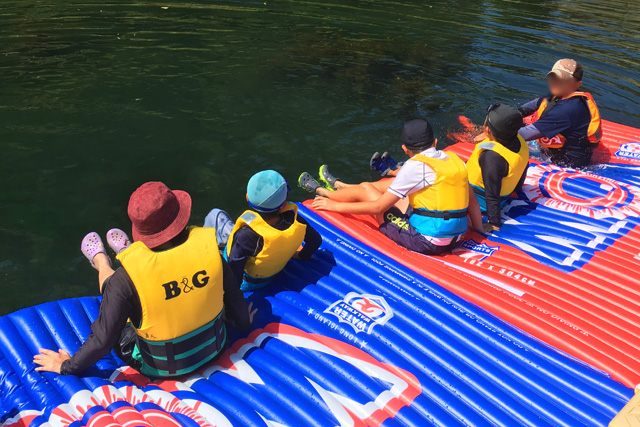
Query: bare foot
{"points": [[321, 191], [340, 185], [101, 260]]}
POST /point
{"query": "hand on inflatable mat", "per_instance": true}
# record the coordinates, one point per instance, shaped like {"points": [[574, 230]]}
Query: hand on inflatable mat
{"points": [[252, 312], [489, 228], [49, 360]]}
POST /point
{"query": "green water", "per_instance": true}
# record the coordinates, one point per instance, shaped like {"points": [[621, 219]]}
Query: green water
{"points": [[99, 97]]}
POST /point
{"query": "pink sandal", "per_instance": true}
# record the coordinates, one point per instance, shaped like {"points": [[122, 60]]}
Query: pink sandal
{"points": [[91, 246], [118, 240]]}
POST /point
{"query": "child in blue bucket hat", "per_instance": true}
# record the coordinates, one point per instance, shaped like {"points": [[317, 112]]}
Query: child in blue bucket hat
{"points": [[264, 238]]}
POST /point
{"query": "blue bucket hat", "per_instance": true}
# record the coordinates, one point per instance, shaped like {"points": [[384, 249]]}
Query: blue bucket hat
{"points": [[267, 191]]}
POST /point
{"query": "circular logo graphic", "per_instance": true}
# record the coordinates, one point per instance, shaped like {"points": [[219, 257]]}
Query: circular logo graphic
{"points": [[630, 150], [581, 193], [631, 147]]}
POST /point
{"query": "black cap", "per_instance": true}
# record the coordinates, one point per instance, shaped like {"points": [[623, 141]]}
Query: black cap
{"points": [[417, 134], [504, 121]]}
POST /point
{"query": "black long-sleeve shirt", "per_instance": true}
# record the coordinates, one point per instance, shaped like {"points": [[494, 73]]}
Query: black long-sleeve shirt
{"points": [[247, 243], [120, 302], [494, 168]]}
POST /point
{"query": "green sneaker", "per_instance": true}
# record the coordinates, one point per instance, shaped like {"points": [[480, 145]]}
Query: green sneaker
{"points": [[327, 179], [307, 182]]}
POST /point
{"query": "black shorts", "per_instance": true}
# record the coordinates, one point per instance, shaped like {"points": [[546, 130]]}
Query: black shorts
{"points": [[396, 226], [125, 346], [569, 156]]}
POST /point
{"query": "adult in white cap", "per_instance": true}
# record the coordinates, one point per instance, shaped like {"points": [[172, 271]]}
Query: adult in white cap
{"points": [[566, 123]]}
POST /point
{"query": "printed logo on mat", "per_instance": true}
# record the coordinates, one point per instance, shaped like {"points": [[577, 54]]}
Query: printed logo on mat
{"points": [[586, 213], [361, 311], [127, 405], [630, 150], [581, 193], [475, 250]]}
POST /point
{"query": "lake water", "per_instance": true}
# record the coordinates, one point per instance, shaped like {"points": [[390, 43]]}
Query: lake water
{"points": [[98, 97]]}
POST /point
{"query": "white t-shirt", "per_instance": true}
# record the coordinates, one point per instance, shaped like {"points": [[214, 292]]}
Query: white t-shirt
{"points": [[414, 176]]}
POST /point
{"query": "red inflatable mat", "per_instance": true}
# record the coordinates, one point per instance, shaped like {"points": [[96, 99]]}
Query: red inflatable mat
{"points": [[563, 267], [620, 145]]}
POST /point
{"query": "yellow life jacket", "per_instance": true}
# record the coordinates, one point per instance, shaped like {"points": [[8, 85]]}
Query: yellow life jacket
{"points": [[181, 294], [440, 210], [449, 192], [517, 164], [278, 245], [594, 132]]}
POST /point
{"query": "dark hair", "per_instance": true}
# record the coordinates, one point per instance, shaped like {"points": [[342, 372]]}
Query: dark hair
{"points": [[420, 147], [269, 215], [502, 140], [176, 241]]}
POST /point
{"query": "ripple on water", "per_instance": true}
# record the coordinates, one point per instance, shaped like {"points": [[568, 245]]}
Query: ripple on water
{"points": [[97, 97]]}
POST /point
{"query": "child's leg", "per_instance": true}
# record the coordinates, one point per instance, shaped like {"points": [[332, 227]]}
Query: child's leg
{"points": [[381, 185], [475, 216], [403, 205], [102, 264], [340, 185], [222, 222], [364, 192]]}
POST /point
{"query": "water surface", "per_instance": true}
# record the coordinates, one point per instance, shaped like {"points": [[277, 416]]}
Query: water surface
{"points": [[99, 97]]}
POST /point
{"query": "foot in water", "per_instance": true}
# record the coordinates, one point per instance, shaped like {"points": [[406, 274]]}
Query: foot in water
{"points": [[327, 179], [378, 164], [92, 246], [388, 160], [117, 240], [383, 164], [307, 182]]}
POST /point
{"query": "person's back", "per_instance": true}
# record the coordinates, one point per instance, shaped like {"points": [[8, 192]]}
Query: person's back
{"points": [[278, 238], [161, 311], [497, 166], [440, 209], [267, 236], [181, 297], [567, 123]]}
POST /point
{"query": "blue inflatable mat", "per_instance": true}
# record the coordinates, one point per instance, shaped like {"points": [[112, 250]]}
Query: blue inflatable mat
{"points": [[348, 338]]}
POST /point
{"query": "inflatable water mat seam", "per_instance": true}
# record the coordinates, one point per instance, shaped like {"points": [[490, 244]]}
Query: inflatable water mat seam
{"points": [[312, 215], [470, 368], [492, 316]]}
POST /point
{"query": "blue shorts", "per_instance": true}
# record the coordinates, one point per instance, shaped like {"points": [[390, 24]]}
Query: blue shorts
{"points": [[251, 284], [396, 226], [222, 222]]}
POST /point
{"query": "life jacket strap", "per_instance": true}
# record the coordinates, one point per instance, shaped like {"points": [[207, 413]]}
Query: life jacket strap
{"points": [[174, 356], [446, 215], [551, 102]]}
